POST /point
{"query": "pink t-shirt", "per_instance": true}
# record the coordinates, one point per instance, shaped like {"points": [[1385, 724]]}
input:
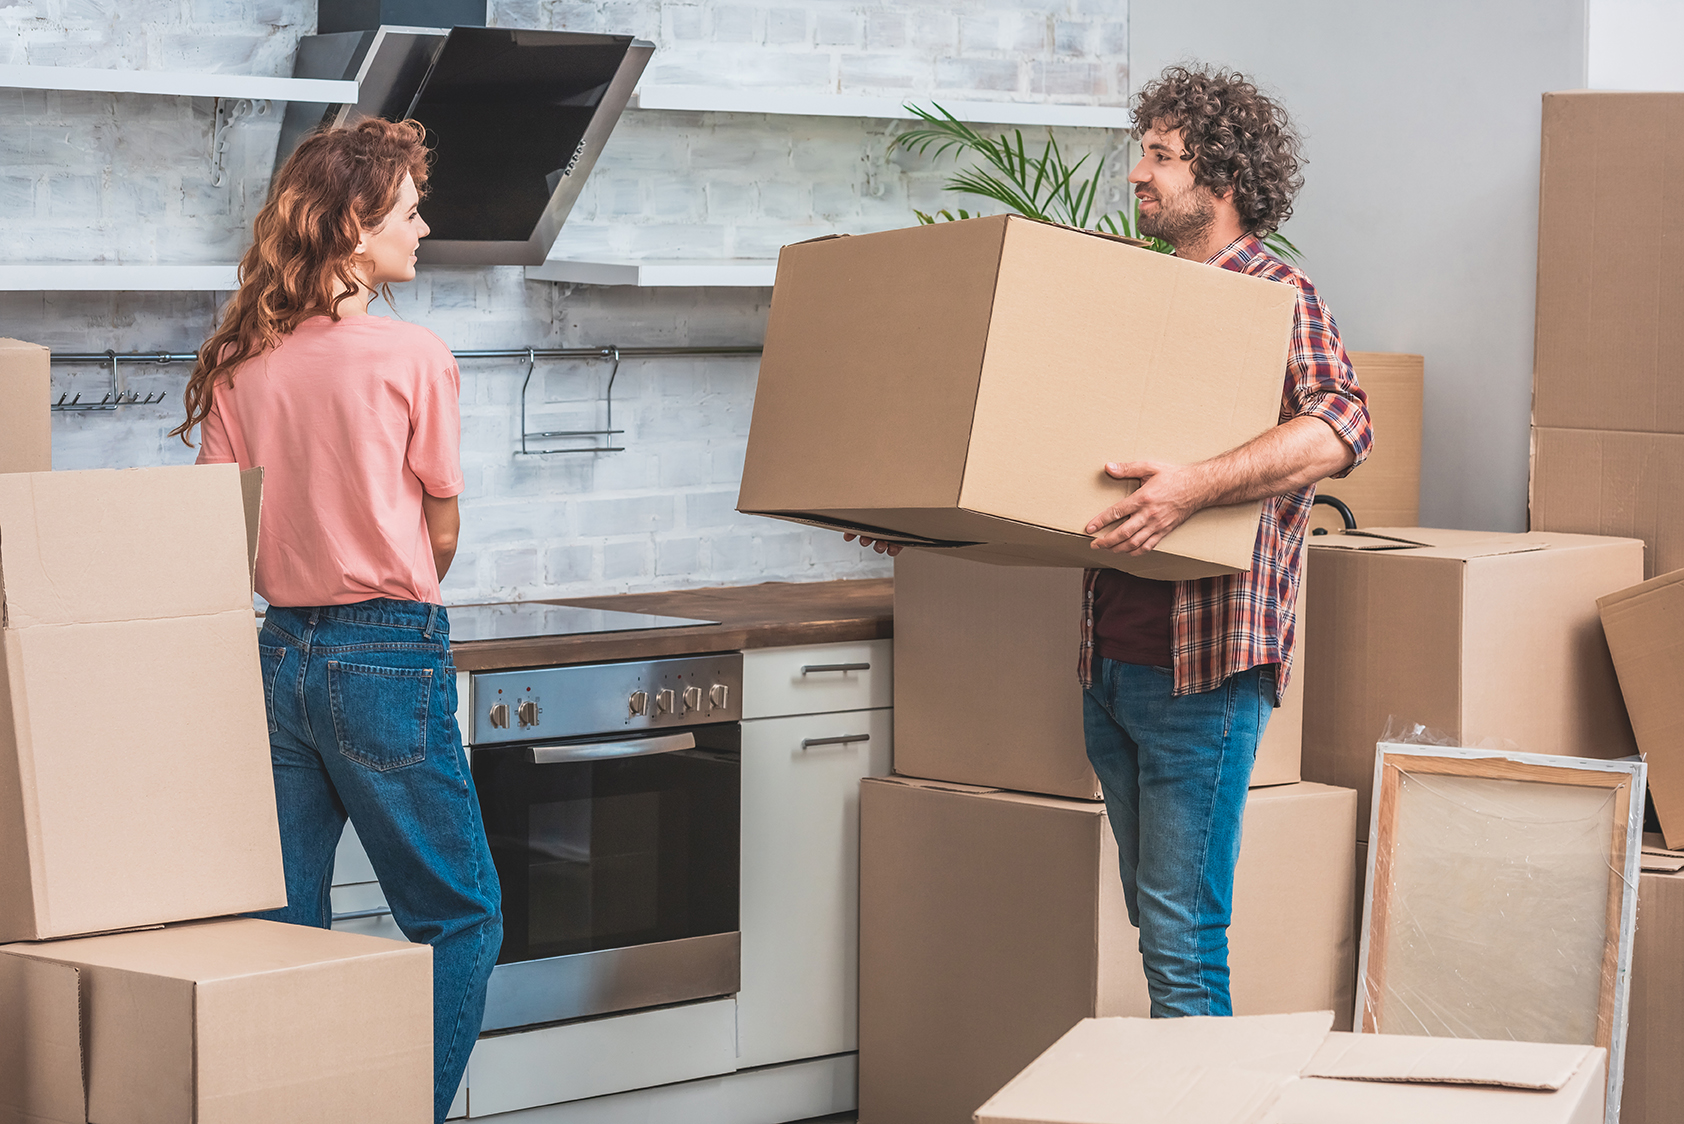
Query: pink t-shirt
{"points": [[351, 422]]}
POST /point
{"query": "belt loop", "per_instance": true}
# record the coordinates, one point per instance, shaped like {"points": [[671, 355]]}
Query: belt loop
{"points": [[432, 621]]}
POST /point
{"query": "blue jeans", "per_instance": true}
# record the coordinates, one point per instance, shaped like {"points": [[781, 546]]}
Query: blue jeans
{"points": [[1174, 772], [362, 722]]}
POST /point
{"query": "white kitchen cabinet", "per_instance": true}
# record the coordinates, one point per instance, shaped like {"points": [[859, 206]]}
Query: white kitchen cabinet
{"points": [[800, 881], [818, 678]]}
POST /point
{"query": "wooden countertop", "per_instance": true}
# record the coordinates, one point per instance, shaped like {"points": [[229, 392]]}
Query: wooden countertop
{"points": [[770, 615]]}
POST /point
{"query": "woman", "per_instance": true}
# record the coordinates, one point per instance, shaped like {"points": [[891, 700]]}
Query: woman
{"points": [[355, 421]]}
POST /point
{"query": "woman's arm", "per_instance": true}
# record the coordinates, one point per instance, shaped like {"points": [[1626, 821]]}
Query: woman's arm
{"points": [[444, 522]]}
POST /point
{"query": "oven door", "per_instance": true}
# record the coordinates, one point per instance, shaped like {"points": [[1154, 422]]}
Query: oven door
{"points": [[618, 860]]}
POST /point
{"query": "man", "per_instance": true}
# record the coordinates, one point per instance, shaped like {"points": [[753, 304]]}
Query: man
{"points": [[1180, 677]]}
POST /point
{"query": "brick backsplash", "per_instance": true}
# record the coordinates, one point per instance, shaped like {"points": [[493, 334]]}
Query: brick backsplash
{"points": [[123, 178]]}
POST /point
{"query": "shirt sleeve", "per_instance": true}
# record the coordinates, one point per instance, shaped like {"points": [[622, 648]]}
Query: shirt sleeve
{"points": [[1320, 381], [435, 434], [214, 444]]}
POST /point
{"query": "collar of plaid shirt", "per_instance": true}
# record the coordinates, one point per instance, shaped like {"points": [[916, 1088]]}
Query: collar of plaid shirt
{"points": [[1222, 626]]}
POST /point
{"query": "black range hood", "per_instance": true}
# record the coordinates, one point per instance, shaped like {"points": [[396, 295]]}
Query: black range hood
{"points": [[516, 120]]}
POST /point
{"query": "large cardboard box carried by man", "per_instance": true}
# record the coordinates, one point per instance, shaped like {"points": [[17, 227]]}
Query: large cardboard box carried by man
{"points": [[235, 1021], [963, 385], [991, 922], [985, 680], [135, 783], [1473, 635]]}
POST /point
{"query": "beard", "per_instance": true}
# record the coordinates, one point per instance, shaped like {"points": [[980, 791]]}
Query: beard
{"points": [[1181, 218]]}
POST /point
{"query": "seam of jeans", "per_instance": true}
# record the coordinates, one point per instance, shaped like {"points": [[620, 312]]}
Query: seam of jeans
{"points": [[479, 930], [340, 649], [303, 671], [1200, 902], [269, 625], [417, 626]]}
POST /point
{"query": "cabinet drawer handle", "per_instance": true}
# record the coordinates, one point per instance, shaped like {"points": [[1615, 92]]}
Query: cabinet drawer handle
{"points": [[814, 668], [809, 743]]}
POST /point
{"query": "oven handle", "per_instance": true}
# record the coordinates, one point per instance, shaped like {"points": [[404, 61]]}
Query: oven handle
{"points": [[600, 751]]}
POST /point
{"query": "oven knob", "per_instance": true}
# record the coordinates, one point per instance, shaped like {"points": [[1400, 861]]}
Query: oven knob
{"points": [[637, 704], [719, 696], [500, 716], [663, 702], [692, 699], [527, 712]]}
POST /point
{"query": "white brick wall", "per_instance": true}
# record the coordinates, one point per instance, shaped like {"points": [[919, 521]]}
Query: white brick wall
{"points": [[123, 178]]}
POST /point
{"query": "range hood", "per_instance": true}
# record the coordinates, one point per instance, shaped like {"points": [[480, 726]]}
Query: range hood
{"points": [[516, 120]]}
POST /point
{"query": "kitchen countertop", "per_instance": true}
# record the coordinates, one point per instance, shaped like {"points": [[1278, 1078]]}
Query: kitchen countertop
{"points": [[770, 615]]}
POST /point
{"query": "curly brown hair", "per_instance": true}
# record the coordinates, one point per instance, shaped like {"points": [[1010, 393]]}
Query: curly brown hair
{"points": [[339, 182], [1237, 137]]}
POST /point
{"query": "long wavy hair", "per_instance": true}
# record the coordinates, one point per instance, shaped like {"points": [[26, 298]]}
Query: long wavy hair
{"points": [[1237, 136], [336, 184]]}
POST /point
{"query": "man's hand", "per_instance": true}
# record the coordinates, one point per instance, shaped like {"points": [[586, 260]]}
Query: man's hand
{"points": [[881, 547], [1168, 495], [1290, 456]]}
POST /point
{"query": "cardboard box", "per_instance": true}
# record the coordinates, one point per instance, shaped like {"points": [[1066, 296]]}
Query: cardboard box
{"points": [[985, 680], [1385, 491], [967, 382], [234, 1021], [135, 784], [1654, 1081], [992, 922], [1597, 482], [1289, 1069], [1610, 322], [26, 422], [1475, 635], [1645, 630]]}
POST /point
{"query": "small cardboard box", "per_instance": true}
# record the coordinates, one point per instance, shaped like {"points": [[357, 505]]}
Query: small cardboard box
{"points": [[135, 783], [1601, 482], [1473, 634], [26, 427], [1654, 1081], [969, 636], [1385, 490], [234, 1021], [991, 922], [1289, 1069], [963, 385], [1645, 630]]}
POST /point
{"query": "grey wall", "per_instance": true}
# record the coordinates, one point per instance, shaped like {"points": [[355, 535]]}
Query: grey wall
{"points": [[1418, 218]]}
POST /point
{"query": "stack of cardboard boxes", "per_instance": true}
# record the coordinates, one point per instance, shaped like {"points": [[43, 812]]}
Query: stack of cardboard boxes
{"points": [[136, 802]]}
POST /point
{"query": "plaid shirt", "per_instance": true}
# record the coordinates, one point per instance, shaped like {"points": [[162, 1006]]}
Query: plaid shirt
{"points": [[1222, 626]]}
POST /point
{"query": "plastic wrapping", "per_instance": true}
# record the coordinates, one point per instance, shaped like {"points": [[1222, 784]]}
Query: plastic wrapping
{"points": [[1501, 897]]}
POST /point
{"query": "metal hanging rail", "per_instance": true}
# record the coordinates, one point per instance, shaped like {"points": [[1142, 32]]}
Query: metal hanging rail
{"points": [[117, 397]]}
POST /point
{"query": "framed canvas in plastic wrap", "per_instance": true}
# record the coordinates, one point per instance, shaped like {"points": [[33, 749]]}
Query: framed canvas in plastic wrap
{"points": [[1501, 898]]}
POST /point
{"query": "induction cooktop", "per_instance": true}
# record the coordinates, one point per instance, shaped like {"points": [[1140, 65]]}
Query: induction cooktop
{"points": [[518, 620]]}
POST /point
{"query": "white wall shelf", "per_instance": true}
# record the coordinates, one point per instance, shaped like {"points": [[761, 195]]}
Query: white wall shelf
{"points": [[739, 272], [801, 102], [177, 83], [222, 277]]}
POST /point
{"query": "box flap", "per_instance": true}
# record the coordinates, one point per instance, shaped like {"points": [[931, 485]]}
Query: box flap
{"points": [[1446, 1061], [942, 786], [1213, 1070], [122, 544], [1365, 540], [40, 1041], [1644, 628]]}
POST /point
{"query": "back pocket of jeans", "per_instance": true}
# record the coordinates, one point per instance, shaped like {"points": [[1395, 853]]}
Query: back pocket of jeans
{"points": [[380, 713], [270, 659]]}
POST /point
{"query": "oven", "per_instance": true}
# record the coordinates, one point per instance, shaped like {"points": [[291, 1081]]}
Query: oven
{"points": [[611, 795]]}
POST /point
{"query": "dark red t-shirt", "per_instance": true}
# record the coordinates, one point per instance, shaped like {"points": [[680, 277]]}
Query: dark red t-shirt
{"points": [[1131, 619]]}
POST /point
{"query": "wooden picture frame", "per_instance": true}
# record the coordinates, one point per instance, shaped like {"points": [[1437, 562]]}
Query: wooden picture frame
{"points": [[1403, 770]]}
